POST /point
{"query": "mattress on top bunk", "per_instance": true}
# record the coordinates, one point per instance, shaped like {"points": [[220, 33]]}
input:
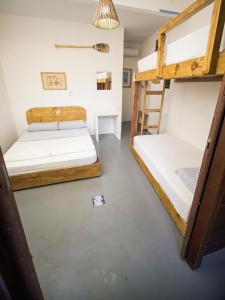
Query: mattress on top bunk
{"points": [[163, 155], [47, 150], [188, 47]]}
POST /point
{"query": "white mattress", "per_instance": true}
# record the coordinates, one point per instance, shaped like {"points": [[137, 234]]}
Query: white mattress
{"points": [[188, 47], [30, 155], [163, 154]]}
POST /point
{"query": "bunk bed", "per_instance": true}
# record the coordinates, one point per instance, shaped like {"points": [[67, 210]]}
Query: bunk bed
{"points": [[57, 147], [177, 60], [164, 158], [191, 46]]}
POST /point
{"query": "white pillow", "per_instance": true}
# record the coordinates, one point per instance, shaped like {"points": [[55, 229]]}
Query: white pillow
{"points": [[42, 126], [64, 125]]}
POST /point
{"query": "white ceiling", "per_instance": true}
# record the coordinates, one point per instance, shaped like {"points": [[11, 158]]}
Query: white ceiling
{"points": [[138, 24], [149, 5]]}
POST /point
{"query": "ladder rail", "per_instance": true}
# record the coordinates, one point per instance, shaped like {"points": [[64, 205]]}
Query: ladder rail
{"points": [[161, 107], [145, 111], [143, 108]]}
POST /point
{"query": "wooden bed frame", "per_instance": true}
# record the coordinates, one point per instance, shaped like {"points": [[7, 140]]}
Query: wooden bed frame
{"points": [[212, 63], [46, 177], [180, 223], [205, 230]]}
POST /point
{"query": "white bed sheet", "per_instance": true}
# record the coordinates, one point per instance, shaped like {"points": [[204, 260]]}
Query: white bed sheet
{"points": [[163, 154], [52, 153], [188, 47]]}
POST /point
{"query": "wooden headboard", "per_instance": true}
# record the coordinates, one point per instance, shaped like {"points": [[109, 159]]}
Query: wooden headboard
{"points": [[54, 114]]}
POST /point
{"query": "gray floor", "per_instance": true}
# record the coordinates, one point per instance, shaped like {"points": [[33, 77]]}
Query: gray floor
{"points": [[127, 249]]}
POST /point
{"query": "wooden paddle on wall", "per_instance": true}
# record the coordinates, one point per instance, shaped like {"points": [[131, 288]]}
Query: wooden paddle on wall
{"points": [[100, 47]]}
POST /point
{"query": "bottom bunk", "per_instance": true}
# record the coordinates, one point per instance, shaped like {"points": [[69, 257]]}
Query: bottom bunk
{"points": [[172, 166]]}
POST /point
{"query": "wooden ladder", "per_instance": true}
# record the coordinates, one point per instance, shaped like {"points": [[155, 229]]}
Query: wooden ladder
{"points": [[145, 111]]}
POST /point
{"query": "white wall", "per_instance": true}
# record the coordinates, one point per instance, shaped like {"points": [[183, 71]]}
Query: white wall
{"points": [[7, 126], [148, 46], [189, 107], [190, 110], [195, 22], [128, 63], [27, 48]]}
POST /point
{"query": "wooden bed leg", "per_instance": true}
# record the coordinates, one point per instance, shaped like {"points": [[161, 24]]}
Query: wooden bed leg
{"points": [[180, 223], [215, 36], [134, 111]]}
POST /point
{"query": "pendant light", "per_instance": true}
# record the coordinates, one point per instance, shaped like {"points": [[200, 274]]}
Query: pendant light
{"points": [[106, 16]]}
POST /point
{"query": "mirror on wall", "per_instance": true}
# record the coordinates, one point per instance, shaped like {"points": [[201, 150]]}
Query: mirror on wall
{"points": [[104, 80]]}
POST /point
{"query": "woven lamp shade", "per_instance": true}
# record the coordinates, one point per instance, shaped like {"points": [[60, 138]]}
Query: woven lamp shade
{"points": [[106, 16]]}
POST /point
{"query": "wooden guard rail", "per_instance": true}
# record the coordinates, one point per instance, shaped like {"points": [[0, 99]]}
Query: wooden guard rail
{"points": [[214, 39]]}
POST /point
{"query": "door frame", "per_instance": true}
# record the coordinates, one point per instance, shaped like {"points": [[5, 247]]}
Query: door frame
{"points": [[17, 272], [196, 213]]}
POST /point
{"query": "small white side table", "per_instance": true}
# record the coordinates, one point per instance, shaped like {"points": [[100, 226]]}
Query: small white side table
{"points": [[116, 116]]}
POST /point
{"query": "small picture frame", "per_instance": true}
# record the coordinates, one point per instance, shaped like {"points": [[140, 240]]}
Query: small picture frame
{"points": [[54, 80], [127, 77]]}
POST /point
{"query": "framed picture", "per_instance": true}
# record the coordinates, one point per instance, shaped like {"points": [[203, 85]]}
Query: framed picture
{"points": [[53, 81], [127, 77]]}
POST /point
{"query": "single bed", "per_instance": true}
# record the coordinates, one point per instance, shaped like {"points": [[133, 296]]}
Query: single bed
{"points": [[169, 163], [191, 46], [52, 156]]}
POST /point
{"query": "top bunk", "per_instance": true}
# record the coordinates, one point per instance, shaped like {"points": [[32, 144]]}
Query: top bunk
{"points": [[201, 53]]}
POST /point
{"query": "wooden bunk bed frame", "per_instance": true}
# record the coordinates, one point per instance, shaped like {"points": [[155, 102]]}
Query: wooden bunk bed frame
{"points": [[46, 177], [212, 63], [180, 223], [211, 228]]}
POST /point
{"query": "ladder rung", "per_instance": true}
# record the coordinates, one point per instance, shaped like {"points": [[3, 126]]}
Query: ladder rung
{"points": [[150, 126], [148, 110], [154, 92]]}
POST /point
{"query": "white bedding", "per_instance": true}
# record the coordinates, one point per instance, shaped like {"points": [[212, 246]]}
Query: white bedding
{"points": [[51, 150], [188, 47], [53, 134], [163, 154], [189, 176]]}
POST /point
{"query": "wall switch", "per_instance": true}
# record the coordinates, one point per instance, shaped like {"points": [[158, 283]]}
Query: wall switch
{"points": [[70, 93]]}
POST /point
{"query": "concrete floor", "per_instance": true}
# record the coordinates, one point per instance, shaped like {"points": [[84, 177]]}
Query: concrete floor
{"points": [[127, 249]]}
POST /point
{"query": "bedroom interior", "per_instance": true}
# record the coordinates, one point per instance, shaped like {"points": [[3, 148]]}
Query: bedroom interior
{"points": [[123, 101]]}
